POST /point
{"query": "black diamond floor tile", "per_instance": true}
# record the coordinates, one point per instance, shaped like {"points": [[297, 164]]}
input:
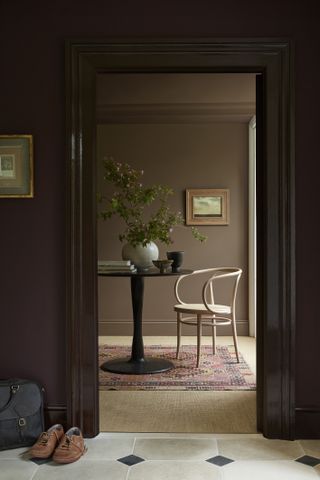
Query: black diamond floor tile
{"points": [[40, 461], [307, 460], [130, 460], [219, 460]]}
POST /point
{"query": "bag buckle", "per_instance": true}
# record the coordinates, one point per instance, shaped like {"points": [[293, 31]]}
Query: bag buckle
{"points": [[22, 422], [14, 388]]}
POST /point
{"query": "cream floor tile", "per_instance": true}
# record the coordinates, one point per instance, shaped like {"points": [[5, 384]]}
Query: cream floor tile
{"points": [[83, 470], [260, 449], [174, 470], [17, 470], [317, 469], [268, 470], [311, 447], [108, 448], [13, 453], [175, 449]]}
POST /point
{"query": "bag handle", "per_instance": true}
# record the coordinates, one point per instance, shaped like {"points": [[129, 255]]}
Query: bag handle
{"points": [[13, 390]]}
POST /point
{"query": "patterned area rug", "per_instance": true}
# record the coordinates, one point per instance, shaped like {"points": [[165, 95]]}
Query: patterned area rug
{"points": [[216, 372]]}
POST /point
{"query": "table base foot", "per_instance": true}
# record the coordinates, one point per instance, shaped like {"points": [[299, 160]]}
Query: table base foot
{"points": [[137, 367]]}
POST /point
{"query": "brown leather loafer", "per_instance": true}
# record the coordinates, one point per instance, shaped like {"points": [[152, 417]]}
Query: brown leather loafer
{"points": [[47, 442], [71, 447]]}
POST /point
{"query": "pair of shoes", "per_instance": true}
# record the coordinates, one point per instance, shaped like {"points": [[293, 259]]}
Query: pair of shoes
{"points": [[66, 447]]}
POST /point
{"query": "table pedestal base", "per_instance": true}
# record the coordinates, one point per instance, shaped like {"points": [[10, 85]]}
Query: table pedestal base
{"points": [[137, 367]]}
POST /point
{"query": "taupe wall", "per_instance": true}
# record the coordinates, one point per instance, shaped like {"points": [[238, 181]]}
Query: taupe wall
{"points": [[182, 155], [151, 88]]}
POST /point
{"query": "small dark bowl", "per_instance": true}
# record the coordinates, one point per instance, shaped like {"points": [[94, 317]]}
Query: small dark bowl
{"points": [[163, 265]]}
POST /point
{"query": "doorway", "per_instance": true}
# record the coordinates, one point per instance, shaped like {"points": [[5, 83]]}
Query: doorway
{"points": [[275, 203], [184, 131]]}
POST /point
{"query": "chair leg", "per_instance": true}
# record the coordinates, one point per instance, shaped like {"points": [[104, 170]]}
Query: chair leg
{"points": [[199, 335], [214, 332], [235, 337], [178, 333]]}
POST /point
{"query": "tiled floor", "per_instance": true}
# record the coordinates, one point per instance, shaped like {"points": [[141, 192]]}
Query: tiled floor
{"points": [[174, 457]]}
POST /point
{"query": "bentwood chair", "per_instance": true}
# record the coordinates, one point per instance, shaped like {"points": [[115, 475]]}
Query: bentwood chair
{"points": [[224, 279]]}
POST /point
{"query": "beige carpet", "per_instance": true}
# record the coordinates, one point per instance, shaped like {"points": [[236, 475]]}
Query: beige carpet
{"points": [[178, 412]]}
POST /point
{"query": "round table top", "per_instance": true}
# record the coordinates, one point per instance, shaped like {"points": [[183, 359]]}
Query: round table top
{"points": [[152, 272]]}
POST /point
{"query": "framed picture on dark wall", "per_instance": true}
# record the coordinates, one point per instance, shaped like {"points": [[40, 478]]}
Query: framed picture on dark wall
{"points": [[207, 206], [16, 166]]}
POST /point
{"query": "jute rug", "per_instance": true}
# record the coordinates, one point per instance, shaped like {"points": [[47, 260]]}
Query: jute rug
{"points": [[219, 372], [178, 411]]}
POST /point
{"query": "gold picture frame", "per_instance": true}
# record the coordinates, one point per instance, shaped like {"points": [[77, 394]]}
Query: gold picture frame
{"points": [[16, 166], [208, 206]]}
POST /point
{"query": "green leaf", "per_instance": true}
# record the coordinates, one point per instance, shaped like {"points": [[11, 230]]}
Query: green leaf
{"points": [[145, 211]]}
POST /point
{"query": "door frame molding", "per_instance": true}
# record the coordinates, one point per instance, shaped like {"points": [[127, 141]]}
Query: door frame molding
{"points": [[252, 228], [273, 60]]}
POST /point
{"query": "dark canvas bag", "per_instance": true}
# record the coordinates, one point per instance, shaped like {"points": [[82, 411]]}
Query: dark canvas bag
{"points": [[21, 413]]}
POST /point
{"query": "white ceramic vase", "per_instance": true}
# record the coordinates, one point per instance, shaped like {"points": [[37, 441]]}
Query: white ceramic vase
{"points": [[141, 256]]}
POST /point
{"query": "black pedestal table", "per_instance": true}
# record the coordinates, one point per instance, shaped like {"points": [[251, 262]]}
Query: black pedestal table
{"points": [[138, 364]]}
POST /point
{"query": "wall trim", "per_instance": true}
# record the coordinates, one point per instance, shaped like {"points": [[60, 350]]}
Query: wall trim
{"points": [[176, 113], [163, 328], [314, 409], [55, 414], [252, 229], [272, 59], [157, 321], [308, 422]]}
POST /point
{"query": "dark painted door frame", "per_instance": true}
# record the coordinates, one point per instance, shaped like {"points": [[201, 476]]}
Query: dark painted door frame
{"points": [[272, 58]]}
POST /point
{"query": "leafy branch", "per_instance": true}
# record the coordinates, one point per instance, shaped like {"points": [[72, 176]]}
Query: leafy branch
{"points": [[144, 210]]}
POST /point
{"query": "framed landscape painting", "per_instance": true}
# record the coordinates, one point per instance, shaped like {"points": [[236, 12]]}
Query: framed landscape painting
{"points": [[207, 206], [16, 166]]}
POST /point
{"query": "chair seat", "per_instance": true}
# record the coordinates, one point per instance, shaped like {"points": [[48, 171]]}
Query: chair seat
{"points": [[201, 308]]}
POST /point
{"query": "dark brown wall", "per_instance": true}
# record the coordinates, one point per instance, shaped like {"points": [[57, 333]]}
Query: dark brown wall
{"points": [[32, 236]]}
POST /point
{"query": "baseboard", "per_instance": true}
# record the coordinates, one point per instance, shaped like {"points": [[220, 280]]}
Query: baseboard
{"points": [[55, 414], [163, 328], [307, 422]]}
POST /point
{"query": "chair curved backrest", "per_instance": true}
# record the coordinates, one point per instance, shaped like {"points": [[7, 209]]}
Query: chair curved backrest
{"points": [[220, 274], [216, 274]]}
